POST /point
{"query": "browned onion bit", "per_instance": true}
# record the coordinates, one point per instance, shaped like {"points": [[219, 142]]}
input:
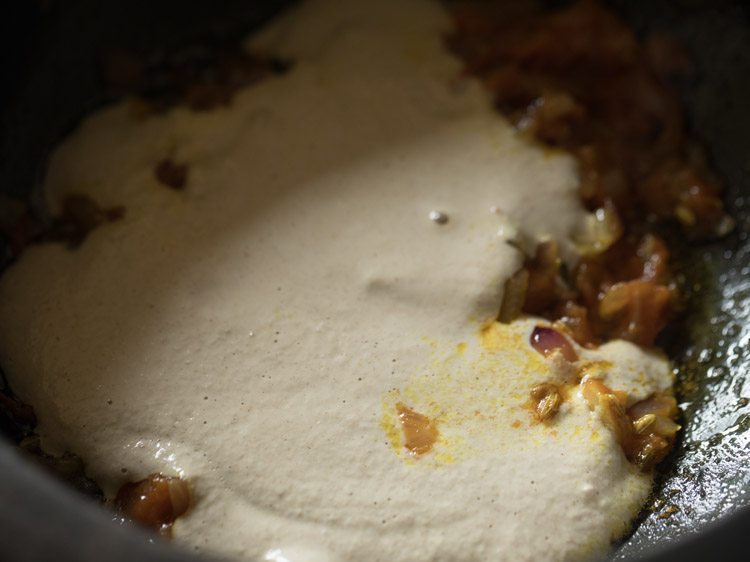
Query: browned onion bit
{"points": [[548, 341], [646, 431], [205, 75], [600, 97], [171, 174], [624, 292], [604, 99], [420, 432], [543, 286], [514, 296], [80, 215], [155, 502]]}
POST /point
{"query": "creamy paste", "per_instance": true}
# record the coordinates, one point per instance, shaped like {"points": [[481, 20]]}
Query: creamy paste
{"points": [[254, 332]]}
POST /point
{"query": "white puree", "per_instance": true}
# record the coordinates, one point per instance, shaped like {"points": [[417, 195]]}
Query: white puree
{"points": [[249, 332]]}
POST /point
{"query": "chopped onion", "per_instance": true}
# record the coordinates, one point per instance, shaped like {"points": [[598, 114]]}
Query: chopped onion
{"points": [[599, 231], [548, 341]]}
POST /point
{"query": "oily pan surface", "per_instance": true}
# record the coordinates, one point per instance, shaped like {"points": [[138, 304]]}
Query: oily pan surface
{"points": [[708, 475]]}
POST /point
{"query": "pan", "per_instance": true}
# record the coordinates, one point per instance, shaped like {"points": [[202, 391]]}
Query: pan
{"points": [[50, 59]]}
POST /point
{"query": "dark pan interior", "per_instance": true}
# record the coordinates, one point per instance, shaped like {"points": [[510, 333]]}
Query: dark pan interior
{"points": [[50, 50], [710, 473]]}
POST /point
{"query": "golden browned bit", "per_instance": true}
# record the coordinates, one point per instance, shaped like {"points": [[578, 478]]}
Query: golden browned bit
{"points": [[545, 401], [420, 432], [171, 174], [514, 295], [645, 431], [643, 423], [79, 215], [155, 502]]}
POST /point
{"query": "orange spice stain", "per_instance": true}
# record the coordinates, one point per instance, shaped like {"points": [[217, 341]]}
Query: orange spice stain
{"points": [[420, 432]]}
